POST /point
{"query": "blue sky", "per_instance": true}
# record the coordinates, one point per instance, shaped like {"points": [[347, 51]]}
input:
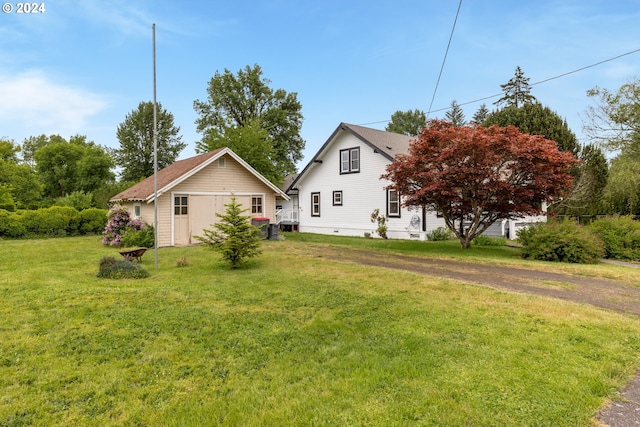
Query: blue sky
{"points": [[81, 66]]}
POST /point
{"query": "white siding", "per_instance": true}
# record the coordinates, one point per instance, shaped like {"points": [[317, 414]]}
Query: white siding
{"points": [[362, 192]]}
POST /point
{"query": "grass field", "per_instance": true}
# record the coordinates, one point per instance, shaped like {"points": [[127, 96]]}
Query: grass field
{"points": [[294, 340]]}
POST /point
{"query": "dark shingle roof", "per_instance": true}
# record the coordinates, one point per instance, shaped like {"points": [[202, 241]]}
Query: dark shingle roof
{"points": [[388, 143]]}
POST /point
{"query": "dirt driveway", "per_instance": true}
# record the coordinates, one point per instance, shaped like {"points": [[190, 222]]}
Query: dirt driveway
{"points": [[603, 293]]}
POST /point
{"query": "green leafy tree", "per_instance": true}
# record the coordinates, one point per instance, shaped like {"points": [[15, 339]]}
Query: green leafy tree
{"points": [[9, 151], [135, 135], [33, 143], [614, 121], [614, 124], [480, 115], [455, 114], [622, 193], [517, 91], [77, 165], [587, 194], [21, 187], [407, 122], [233, 236], [245, 100]]}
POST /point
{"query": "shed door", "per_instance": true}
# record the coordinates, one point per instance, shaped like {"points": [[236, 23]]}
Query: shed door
{"points": [[181, 231]]}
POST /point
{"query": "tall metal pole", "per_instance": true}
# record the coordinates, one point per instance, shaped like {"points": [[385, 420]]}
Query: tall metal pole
{"points": [[155, 154]]}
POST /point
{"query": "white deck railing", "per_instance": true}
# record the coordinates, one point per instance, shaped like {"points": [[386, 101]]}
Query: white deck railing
{"points": [[287, 216]]}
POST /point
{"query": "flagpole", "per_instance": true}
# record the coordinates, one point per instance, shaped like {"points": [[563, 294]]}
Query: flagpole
{"points": [[155, 154]]}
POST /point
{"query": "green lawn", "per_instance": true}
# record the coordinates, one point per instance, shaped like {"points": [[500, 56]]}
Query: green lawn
{"points": [[293, 340]]}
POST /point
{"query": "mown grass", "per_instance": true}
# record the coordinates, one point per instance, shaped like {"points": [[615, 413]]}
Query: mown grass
{"points": [[293, 340]]}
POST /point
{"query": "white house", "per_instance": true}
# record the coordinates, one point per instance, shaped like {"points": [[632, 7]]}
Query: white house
{"points": [[341, 187], [338, 190]]}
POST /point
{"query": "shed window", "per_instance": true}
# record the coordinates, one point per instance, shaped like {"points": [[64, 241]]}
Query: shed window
{"points": [[137, 210], [256, 205]]}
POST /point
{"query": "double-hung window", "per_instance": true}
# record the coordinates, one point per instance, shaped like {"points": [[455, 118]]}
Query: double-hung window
{"points": [[337, 198], [350, 160], [393, 203], [315, 204]]}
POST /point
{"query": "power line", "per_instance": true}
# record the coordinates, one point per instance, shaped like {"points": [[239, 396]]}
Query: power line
{"points": [[445, 57], [532, 84]]}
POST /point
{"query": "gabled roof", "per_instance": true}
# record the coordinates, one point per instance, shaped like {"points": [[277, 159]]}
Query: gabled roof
{"points": [[387, 144], [179, 171]]}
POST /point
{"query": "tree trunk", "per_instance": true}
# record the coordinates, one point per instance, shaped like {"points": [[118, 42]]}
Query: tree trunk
{"points": [[465, 242]]}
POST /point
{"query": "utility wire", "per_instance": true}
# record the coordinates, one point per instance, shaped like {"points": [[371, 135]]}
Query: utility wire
{"points": [[532, 84], [445, 57]]}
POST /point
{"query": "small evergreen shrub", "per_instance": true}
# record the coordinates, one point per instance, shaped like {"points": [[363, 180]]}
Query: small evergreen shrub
{"points": [[620, 235], [440, 234], [560, 241], [483, 240], [233, 236], [111, 268], [143, 238]]}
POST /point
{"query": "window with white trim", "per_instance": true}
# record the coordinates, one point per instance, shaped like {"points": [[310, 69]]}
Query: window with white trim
{"points": [[180, 205], [337, 198], [137, 210], [350, 160], [256, 205], [315, 204], [393, 203]]}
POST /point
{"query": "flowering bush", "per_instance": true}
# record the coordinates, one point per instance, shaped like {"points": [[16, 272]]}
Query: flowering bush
{"points": [[118, 223]]}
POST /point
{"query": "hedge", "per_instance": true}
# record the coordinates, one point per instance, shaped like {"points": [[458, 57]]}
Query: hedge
{"points": [[52, 221]]}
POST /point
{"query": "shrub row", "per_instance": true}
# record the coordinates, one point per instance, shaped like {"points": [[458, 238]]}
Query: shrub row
{"points": [[52, 221], [567, 241]]}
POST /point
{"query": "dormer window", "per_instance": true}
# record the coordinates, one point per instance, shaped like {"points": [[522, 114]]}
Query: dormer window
{"points": [[350, 160]]}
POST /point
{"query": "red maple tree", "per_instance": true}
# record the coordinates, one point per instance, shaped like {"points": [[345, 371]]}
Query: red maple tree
{"points": [[476, 175]]}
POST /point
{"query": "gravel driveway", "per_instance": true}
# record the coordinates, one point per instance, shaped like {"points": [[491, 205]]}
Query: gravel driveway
{"points": [[603, 293]]}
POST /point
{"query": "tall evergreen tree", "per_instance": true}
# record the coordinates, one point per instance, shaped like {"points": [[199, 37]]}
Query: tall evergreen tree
{"points": [[517, 91], [135, 135], [480, 115], [455, 115]]}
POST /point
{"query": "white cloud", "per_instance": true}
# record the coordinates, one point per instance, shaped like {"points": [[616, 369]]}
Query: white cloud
{"points": [[33, 104]]}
